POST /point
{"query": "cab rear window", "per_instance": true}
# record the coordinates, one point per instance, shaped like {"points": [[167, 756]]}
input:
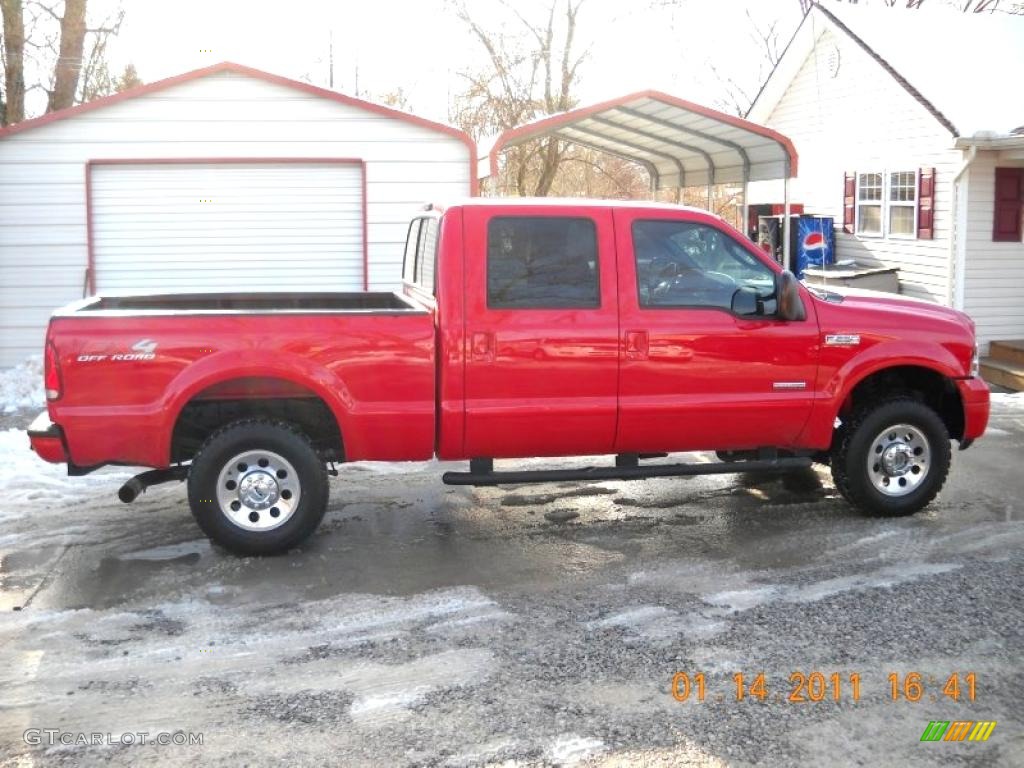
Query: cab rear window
{"points": [[419, 264]]}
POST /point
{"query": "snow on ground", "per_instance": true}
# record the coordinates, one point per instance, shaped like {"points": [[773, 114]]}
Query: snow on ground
{"points": [[22, 385], [1011, 400], [29, 480]]}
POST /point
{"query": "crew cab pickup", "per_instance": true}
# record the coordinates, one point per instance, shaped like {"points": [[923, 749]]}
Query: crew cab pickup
{"points": [[524, 328]]}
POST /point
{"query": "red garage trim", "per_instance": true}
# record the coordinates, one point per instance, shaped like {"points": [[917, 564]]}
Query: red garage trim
{"points": [[542, 127], [228, 66], [91, 268]]}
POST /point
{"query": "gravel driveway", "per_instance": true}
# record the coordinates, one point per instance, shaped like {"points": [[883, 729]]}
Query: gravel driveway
{"points": [[537, 625]]}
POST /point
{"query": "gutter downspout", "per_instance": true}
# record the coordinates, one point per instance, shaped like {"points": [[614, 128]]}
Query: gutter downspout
{"points": [[958, 240]]}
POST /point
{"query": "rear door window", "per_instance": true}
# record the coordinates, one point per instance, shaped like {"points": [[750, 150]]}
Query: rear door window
{"points": [[542, 262]]}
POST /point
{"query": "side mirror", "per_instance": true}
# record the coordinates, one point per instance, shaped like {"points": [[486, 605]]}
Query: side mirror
{"points": [[787, 289], [746, 301]]}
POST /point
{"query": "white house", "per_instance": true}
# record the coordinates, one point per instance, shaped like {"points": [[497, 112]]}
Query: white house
{"points": [[225, 178], [910, 130]]}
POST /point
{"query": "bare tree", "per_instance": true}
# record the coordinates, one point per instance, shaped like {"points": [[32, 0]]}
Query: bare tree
{"points": [[13, 62], [69, 57], [965, 6], [96, 80], [737, 96], [65, 57], [528, 75]]}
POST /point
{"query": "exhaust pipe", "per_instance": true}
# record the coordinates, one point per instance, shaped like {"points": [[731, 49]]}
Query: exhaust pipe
{"points": [[138, 484]]}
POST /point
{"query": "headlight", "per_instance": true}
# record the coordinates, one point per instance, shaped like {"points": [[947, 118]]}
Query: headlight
{"points": [[975, 361]]}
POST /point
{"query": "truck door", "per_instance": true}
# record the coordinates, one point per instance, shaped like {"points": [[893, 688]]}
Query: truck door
{"points": [[541, 331], [697, 375]]}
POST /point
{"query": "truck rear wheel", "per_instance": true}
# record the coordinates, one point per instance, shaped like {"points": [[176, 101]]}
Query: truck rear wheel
{"points": [[257, 487], [892, 458]]}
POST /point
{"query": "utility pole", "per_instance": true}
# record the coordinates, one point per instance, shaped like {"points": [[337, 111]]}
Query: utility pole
{"points": [[330, 58]]}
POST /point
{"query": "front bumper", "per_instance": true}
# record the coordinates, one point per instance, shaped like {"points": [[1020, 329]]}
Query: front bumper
{"points": [[47, 440], [975, 397]]}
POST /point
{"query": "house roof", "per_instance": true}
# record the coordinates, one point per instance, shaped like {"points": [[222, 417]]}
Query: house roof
{"points": [[963, 68], [679, 143], [240, 69]]}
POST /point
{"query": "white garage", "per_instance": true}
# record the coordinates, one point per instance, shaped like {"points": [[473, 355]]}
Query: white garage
{"points": [[226, 178]]}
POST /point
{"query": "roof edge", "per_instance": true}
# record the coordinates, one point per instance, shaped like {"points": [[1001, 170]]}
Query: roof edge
{"points": [[539, 126], [902, 81], [241, 69], [907, 86], [775, 67]]}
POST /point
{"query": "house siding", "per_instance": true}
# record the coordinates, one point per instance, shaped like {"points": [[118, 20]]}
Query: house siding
{"points": [[863, 120], [994, 272], [43, 252]]}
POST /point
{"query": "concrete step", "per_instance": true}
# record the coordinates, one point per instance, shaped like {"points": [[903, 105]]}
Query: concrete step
{"points": [[1009, 351], [1003, 373]]}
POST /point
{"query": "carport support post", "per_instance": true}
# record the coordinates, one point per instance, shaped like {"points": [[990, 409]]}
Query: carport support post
{"points": [[785, 220], [744, 218], [711, 207]]}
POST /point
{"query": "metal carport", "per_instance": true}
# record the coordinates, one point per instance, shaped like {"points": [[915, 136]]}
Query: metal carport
{"points": [[679, 143]]}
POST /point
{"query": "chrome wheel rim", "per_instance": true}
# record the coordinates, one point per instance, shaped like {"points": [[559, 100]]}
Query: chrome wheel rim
{"points": [[899, 460], [258, 490]]}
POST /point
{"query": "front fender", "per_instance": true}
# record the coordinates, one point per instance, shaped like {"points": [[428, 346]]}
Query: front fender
{"points": [[840, 380]]}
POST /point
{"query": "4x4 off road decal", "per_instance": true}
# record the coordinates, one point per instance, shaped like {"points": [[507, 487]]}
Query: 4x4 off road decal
{"points": [[143, 349]]}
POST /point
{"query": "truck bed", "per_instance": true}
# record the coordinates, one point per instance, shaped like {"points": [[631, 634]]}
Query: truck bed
{"points": [[138, 365], [381, 302]]}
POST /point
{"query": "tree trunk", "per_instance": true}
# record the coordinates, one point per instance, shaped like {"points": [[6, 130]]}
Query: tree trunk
{"points": [[14, 56], [69, 65], [551, 160]]}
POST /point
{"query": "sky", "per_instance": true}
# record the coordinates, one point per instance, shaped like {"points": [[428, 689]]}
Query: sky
{"points": [[421, 47]]}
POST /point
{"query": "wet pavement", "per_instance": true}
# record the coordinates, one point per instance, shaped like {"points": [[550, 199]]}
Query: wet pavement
{"points": [[536, 625]]}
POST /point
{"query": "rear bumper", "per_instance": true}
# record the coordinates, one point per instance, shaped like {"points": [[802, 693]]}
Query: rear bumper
{"points": [[975, 397], [47, 440]]}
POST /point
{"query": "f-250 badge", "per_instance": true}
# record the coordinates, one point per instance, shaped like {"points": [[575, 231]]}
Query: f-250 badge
{"points": [[143, 349]]}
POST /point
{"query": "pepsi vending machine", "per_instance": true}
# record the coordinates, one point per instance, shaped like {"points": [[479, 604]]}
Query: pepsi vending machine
{"points": [[816, 243]]}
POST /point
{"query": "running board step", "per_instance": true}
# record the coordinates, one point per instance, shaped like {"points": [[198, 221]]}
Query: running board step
{"points": [[620, 472]]}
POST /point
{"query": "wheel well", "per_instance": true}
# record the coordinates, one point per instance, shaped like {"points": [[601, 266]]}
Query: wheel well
{"points": [[277, 399], [927, 385]]}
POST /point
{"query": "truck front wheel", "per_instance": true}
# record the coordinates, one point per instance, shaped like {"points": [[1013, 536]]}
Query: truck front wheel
{"points": [[892, 458], [257, 487]]}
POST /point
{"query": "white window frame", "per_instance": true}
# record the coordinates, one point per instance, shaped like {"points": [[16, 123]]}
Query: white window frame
{"points": [[870, 204], [890, 203], [885, 204]]}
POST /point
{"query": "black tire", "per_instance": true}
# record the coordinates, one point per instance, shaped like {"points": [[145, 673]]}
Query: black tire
{"points": [[303, 480], [854, 477]]}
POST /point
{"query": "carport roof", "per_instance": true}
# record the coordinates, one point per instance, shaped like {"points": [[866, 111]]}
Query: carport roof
{"points": [[681, 144]]}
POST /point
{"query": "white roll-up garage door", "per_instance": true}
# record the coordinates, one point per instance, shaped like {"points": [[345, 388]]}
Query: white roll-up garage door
{"points": [[227, 226]]}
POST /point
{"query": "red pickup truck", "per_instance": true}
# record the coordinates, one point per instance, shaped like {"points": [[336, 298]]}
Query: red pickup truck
{"points": [[524, 328]]}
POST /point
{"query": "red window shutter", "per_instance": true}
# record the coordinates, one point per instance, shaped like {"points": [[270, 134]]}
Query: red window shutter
{"points": [[849, 198], [926, 204], [1009, 202]]}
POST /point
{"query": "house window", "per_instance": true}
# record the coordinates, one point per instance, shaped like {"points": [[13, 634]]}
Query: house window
{"points": [[902, 203], [887, 204], [1008, 216], [869, 204]]}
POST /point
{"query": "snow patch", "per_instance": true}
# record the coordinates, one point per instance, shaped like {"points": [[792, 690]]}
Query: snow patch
{"points": [[570, 749], [1008, 400], [22, 385], [744, 599]]}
